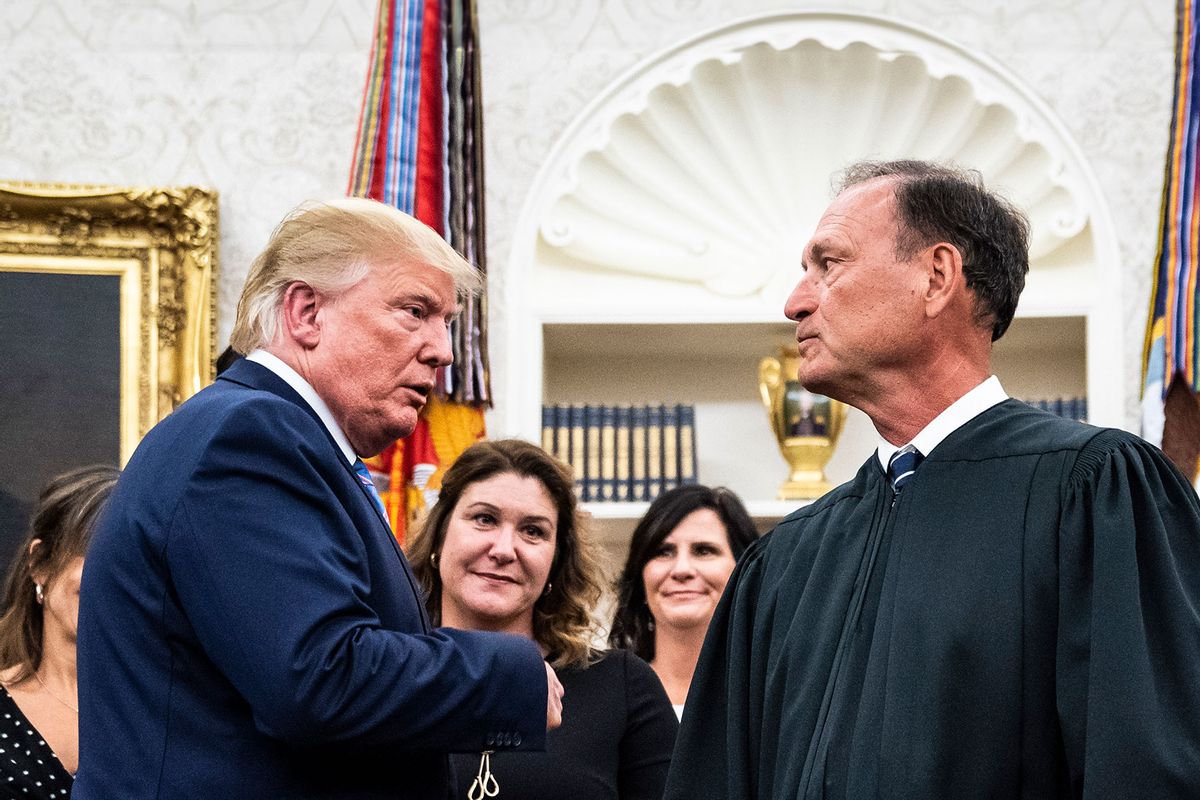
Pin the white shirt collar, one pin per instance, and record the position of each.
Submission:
(306, 391)
(959, 413)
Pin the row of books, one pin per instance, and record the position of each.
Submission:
(623, 453)
(1070, 407)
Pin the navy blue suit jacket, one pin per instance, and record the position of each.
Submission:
(248, 627)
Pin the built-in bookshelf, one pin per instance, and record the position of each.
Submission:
(623, 453)
(713, 368)
(656, 249)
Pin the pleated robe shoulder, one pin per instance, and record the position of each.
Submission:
(1019, 622)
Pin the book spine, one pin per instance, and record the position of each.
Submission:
(653, 451)
(579, 452)
(621, 493)
(637, 453)
(687, 444)
(548, 430)
(608, 453)
(562, 436)
(670, 456)
(591, 424)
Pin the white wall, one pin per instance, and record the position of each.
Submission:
(259, 98)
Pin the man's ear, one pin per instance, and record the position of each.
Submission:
(299, 314)
(943, 263)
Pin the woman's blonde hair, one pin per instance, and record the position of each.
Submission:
(331, 246)
(562, 617)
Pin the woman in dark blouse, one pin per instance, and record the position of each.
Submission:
(39, 707)
(680, 556)
(502, 551)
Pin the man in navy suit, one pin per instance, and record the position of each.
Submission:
(248, 627)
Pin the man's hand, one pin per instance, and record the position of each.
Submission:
(554, 694)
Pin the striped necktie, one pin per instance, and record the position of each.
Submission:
(364, 477)
(902, 465)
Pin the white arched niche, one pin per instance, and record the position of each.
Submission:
(683, 194)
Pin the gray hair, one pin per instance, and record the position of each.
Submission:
(937, 203)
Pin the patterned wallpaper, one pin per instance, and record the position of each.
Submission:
(259, 98)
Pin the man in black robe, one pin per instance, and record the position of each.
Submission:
(1013, 611)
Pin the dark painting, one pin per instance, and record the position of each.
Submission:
(60, 357)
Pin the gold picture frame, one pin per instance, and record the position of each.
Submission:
(161, 243)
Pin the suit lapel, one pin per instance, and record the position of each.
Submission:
(391, 536)
(253, 375)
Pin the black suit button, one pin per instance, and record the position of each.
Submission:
(491, 740)
(516, 740)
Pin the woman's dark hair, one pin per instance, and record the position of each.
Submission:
(62, 525)
(633, 627)
(562, 618)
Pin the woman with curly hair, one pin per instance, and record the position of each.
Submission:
(502, 550)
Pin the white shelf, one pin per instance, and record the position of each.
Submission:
(759, 509)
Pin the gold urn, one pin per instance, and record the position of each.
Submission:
(806, 425)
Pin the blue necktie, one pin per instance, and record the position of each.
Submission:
(902, 466)
(364, 477)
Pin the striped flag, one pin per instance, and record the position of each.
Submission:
(420, 148)
(1170, 410)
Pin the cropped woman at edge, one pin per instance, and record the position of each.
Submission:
(680, 557)
(502, 550)
(39, 705)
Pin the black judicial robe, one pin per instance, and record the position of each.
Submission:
(1022, 622)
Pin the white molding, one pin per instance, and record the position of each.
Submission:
(633, 511)
(571, 265)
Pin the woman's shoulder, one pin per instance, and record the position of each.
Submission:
(617, 686)
(611, 667)
(8, 702)
(6, 698)
(599, 663)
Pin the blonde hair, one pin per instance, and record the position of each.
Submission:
(331, 246)
(563, 622)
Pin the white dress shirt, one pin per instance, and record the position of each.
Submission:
(306, 391)
(959, 413)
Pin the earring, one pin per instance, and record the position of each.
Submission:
(37, 591)
(546, 591)
(433, 560)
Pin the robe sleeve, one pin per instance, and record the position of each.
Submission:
(718, 749)
(1128, 656)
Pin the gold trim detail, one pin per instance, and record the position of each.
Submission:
(162, 242)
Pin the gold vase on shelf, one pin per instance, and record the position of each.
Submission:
(806, 425)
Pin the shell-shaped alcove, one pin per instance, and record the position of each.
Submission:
(710, 165)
